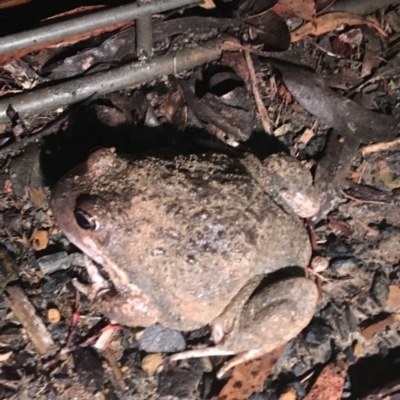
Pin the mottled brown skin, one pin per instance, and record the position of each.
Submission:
(180, 236)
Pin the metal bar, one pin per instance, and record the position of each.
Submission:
(101, 19)
(144, 37)
(63, 94)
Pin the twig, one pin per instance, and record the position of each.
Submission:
(22, 308)
(373, 148)
(266, 121)
(371, 231)
(365, 201)
(115, 369)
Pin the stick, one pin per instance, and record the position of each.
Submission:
(22, 308)
(266, 122)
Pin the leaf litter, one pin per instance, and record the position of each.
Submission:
(338, 109)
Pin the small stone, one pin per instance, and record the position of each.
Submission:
(77, 259)
(157, 339)
(181, 383)
(53, 315)
(89, 368)
(344, 266)
(319, 264)
(54, 262)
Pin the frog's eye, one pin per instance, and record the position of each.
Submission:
(90, 212)
(87, 221)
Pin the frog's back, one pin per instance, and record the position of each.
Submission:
(196, 229)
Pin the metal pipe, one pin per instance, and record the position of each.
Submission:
(77, 26)
(144, 36)
(66, 93)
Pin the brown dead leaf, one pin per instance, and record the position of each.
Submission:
(302, 8)
(249, 376)
(330, 22)
(370, 331)
(329, 384)
(39, 240)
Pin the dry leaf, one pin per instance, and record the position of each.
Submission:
(329, 384)
(393, 300)
(151, 363)
(39, 240)
(53, 315)
(249, 376)
(302, 8)
(329, 22)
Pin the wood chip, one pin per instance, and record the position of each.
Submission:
(53, 315)
(289, 394)
(306, 136)
(151, 363)
(370, 331)
(39, 240)
(207, 4)
(5, 356)
(373, 148)
(329, 384)
(249, 376)
(393, 300)
(22, 308)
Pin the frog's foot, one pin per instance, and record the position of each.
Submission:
(98, 285)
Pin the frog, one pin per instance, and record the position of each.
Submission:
(189, 240)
